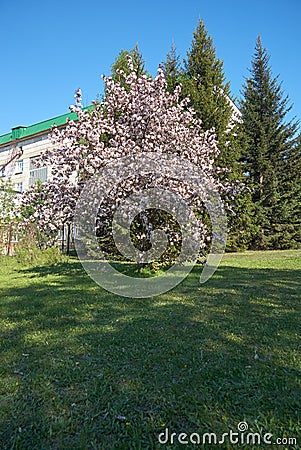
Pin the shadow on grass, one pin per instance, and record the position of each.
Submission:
(84, 369)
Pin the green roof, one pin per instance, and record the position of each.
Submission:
(21, 132)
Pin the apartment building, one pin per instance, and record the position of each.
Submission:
(20, 149)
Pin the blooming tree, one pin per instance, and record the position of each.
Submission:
(143, 117)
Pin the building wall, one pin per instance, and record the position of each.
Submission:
(34, 140)
(31, 147)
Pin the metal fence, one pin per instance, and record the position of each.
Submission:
(66, 238)
(11, 235)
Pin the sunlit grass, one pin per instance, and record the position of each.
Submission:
(84, 369)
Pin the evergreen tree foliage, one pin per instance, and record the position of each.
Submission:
(121, 63)
(269, 143)
(172, 69)
(289, 205)
(204, 81)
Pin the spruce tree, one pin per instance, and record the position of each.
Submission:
(268, 139)
(204, 81)
(121, 63)
(172, 68)
(289, 206)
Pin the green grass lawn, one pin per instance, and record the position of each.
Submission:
(84, 369)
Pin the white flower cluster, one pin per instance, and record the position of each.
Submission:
(143, 118)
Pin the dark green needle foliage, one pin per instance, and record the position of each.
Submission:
(270, 154)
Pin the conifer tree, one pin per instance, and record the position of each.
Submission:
(205, 83)
(289, 205)
(172, 68)
(269, 140)
(121, 63)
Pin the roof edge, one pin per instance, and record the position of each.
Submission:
(39, 127)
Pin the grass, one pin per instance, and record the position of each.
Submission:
(84, 369)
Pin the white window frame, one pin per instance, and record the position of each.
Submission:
(33, 172)
(19, 166)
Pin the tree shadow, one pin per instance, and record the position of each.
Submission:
(94, 370)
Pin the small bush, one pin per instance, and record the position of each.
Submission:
(29, 254)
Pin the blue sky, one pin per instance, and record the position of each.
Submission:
(49, 49)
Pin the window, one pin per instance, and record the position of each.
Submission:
(2, 173)
(19, 187)
(36, 173)
(19, 166)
